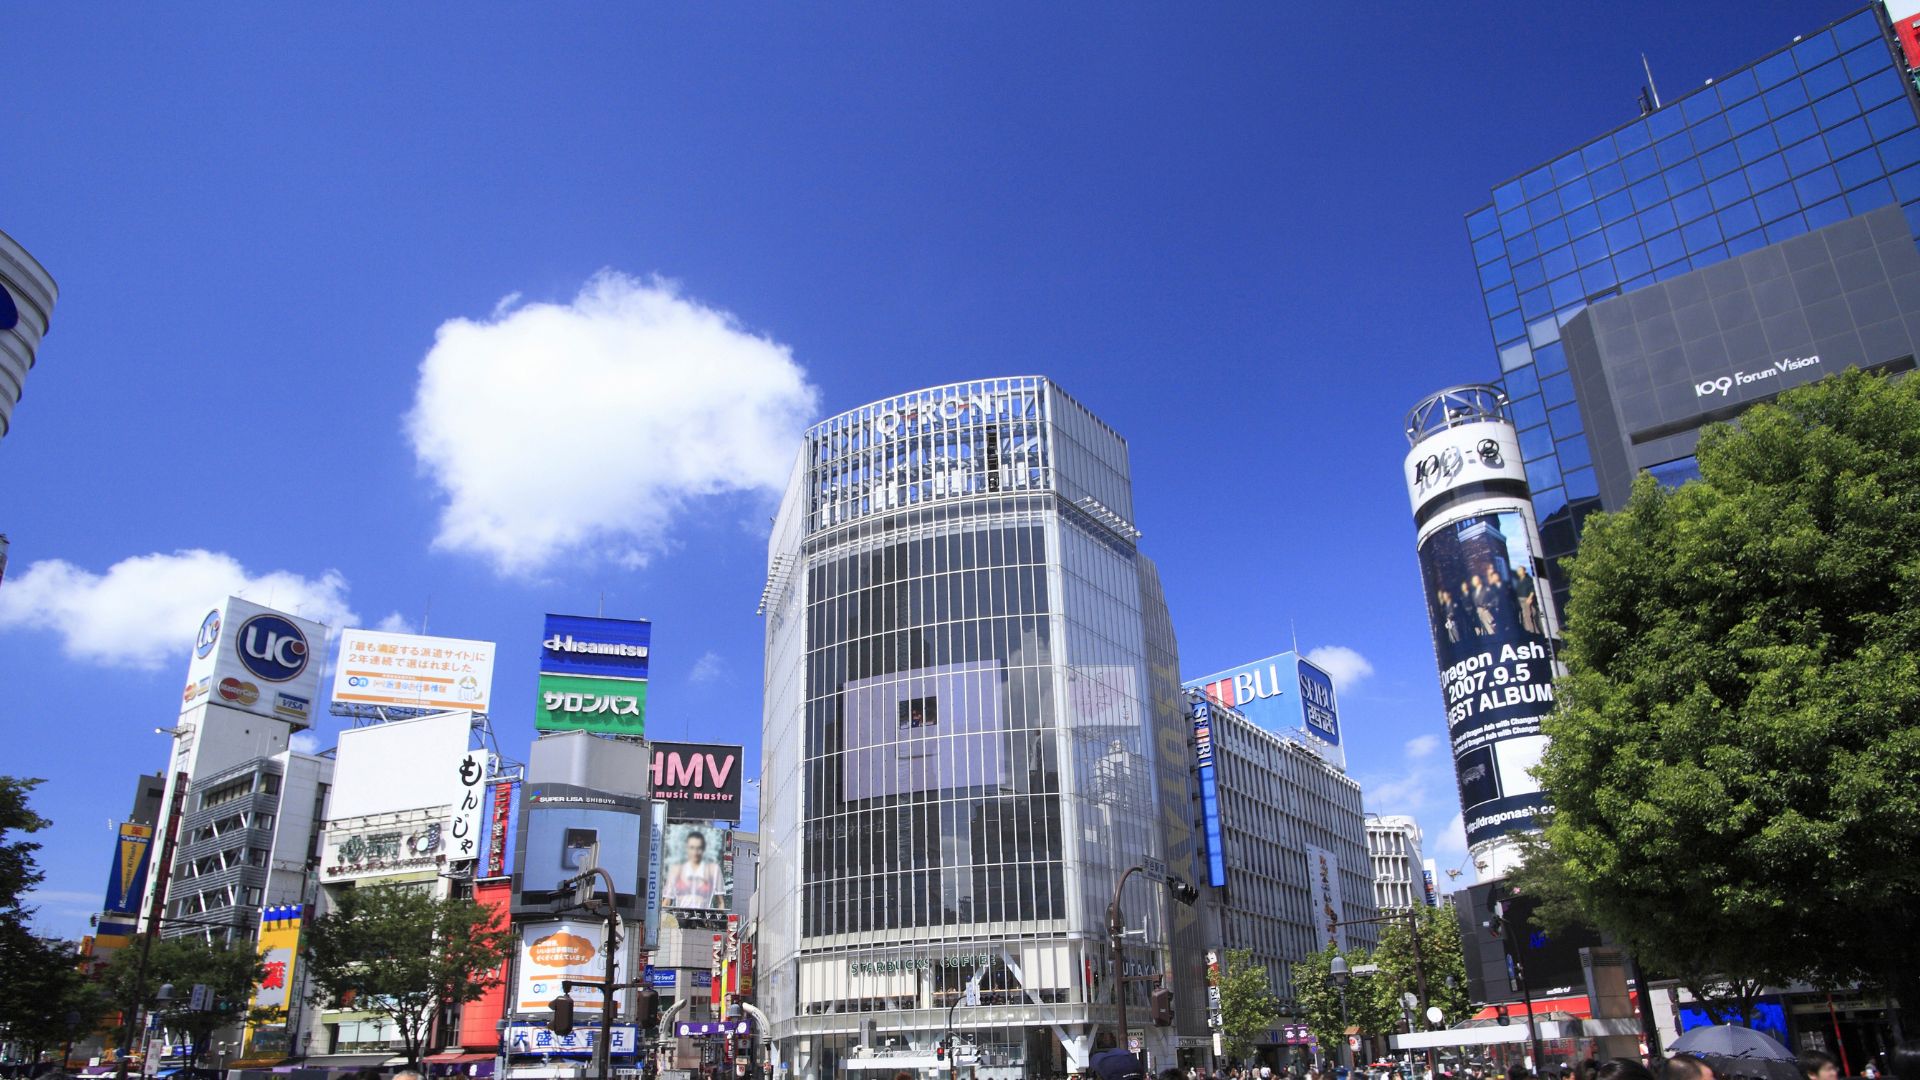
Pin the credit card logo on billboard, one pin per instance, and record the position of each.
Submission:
(292, 705)
(273, 648)
(240, 693)
(590, 645)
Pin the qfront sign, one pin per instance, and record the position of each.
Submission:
(1723, 386)
(256, 660)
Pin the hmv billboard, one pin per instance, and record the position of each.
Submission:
(698, 781)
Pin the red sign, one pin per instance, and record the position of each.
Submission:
(497, 830)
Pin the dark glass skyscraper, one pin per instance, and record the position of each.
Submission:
(1821, 131)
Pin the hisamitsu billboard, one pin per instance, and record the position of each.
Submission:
(594, 646)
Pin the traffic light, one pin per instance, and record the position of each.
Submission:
(940, 1051)
(1500, 1014)
(646, 1008)
(562, 1022)
(1182, 890)
(1160, 1005)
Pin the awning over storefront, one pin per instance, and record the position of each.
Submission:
(460, 1064)
(352, 1061)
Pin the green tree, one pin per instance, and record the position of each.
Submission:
(229, 970)
(1735, 760)
(46, 1001)
(1440, 955)
(397, 952)
(1320, 1003)
(1247, 1004)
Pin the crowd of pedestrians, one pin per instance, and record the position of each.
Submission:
(1903, 1064)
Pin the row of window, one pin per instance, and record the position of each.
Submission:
(1809, 55)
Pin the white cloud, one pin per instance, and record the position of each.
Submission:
(588, 427)
(144, 611)
(1346, 665)
(394, 623)
(1421, 746)
(708, 668)
(304, 742)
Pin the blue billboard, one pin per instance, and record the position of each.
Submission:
(127, 880)
(596, 646)
(1280, 693)
(1209, 793)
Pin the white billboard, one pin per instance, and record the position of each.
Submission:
(408, 671)
(928, 729)
(257, 660)
(1327, 900)
(413, 764)
(550, 952)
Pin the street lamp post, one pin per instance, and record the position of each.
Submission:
(1182, 892)
(1412, 918)
(1338, 977)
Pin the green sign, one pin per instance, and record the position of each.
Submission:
(588, 703)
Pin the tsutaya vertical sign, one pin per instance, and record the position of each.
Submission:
(593, 675)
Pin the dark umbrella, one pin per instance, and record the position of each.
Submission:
(1735, 1051)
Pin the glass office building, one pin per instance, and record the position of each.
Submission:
(1823, 130)
(972, 727)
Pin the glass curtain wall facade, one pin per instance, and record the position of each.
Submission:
(961, 736)
(1824, 129)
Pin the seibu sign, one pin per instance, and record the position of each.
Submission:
(698, 781)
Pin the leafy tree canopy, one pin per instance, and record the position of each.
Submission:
(229, 970)
(1735, 762)
(1247, 1005)
(396, 951)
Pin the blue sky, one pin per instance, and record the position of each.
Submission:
(417, 314)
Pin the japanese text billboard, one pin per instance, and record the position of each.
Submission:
(273, 993)
(587, 703)
(1327, 900)
(408, 671)
(1492, 622)
(550, 952)
(127, 880)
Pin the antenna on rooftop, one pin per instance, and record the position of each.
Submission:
(1653, 91)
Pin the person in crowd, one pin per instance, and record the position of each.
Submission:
(1519, 1072)
(1483, 607)
(1526, 595)
(1686, 1067)
(1622, 1068)
(1819, 1065)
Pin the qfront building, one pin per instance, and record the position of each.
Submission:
(973, 728)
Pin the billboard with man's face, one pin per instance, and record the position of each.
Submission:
(696, 867)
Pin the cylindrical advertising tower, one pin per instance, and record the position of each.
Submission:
(1490, 609)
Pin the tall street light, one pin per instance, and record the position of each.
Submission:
(1116, 931)
(1337, 978)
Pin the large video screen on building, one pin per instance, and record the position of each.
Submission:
(696, 867)
(564, 829)
(1492, 623)
(928, 729)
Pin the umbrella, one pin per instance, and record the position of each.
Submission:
(1735, 1051)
